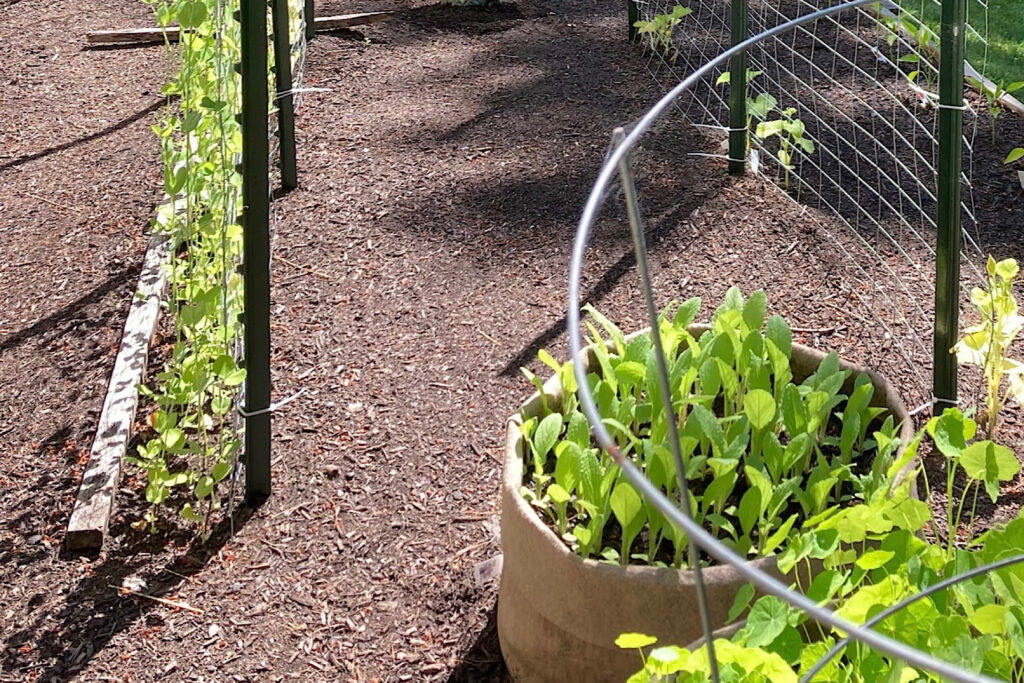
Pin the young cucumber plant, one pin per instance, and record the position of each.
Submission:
(761, 452)
(993, 93)
(758, 108)
(986, 343)
(790, 131)
(659, 30)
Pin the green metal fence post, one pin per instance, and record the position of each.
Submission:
(256, 249)
(947, 265)
(633, 16)
(738, 90)
(285, 101)
(310, 13)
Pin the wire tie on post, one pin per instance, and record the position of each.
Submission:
(928, 404)
(272, 407)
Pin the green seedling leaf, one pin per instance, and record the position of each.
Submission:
(755, 309)
(634, 641)
(742, 601)
(204, 487)
(173, 439)
(991, 463)
(686, 313)
(191, 14)
(630, 373)
(795, 414)
(759, 407)
(578, 431)
(1016, 155)
(558, 495)
(567, 465)
(768, 618)
(989, 619)
(778, 536)
(749, 510)
(546, 435)
(873, 559)
(951, 431)
(220, 471)
(629, 511)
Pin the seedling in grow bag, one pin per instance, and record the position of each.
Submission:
(762, 453)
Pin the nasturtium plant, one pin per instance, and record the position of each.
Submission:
(871, 563)
(763, 453)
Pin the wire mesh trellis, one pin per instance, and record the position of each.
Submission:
(618, 166)
(863, 86)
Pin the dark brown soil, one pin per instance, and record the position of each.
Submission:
(419, 265)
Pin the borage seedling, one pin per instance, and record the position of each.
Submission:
(761, 452)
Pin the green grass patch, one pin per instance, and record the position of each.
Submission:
(1002, 60)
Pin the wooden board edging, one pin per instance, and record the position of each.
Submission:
(90, 518)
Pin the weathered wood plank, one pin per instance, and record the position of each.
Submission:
(348, 20)
(141, 36)
(91, 516)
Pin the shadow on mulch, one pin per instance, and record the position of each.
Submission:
(656, 234)
(70, 315)
(123, 123)
(483, 661)
(96, 609)
(474, 20)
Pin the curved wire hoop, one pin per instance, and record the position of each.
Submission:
(618, 161)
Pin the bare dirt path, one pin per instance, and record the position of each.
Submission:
(79, 173)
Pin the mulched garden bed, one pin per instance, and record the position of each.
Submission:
(421, 262)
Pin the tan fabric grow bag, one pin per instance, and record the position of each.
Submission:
(559, 615)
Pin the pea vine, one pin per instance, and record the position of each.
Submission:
(196, 437)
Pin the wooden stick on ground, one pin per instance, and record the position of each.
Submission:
(142, 36)
(91, 515)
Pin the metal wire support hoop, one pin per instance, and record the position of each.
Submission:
(639, 244)
(695, 532)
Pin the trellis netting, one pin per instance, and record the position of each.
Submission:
(849, 103)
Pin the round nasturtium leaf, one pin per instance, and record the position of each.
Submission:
(874, 559)
(633, 641)
(768, 618)
(978, 458)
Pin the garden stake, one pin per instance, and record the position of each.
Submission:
(632, 16)
(285, 99)
(310, 13)
(256, 252)
(950, 219)
(640, 246)
(738, 131)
